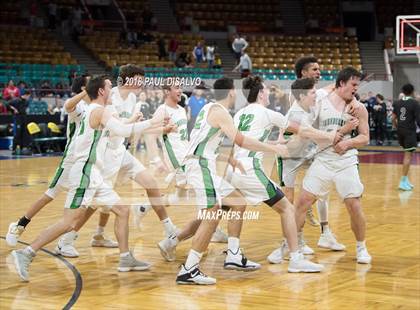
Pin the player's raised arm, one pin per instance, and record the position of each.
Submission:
(78, 87)
(221, 119)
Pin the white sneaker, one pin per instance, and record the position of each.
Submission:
(363, 256)
(238, 261)
(13, 234)
(277, 256)
(22, 260)
(327, 240)
(139, 211)
(65, 246)
(219, 236)
(311, 218)
(130, 263)
(304, 248)
(193, 276)
(300, 264)
(101, 241)
(167, 249)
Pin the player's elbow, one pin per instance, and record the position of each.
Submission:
(239, 139)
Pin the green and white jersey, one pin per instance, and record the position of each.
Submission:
(124, 109)
(73, 123)
(86, 142)
(256, 121)
(330, 119)
(205, 140)
(175, 144)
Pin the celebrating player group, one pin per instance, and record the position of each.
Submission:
(322, 129)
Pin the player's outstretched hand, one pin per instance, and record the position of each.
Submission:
(281, 149)
(171, 127)
(136, 117)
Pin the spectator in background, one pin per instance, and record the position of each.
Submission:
(22, 87)
(52, 109)
(20, 104)
(33, 13)
(379, 117)
(3, 108)
(52, 15)
(11, 91)
(147, 16)
(162, 48)
(239, 45)
(21, 139)
(132, 38)
(388, 131)
(183, 60)
(59, 90)
(144, 106)
(279, 100)
(210, 50)
(217, 61)
(46, 89)
(194, 106)
(245, 65)
(198, 53)
(172, 48)
(312, 24)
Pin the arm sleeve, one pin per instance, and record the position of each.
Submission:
(118, 128)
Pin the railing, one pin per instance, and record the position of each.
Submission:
(388, 66)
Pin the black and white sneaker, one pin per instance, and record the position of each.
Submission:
(193, 276)
(238, 261)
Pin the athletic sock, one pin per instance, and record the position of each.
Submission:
(294, 255)
(325, 228)
(28, 250)
(361, 244)
(233, 245)
(100, 230)
(168, 226)
(125, 254)
(193, 259)
(23, 221)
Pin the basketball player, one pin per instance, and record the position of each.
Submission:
(75, 107)
(175, 146)
(305, 67)
(120, 165)
(303, 111)
(338, 164)
(213, 192)
(86, 186)
(406, 113)
(256, 120)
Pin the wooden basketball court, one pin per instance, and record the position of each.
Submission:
(92, 281)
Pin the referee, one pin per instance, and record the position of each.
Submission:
(406, 112)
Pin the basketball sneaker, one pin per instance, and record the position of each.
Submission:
(101, 241)
(14, 233)
(298, 263)
(327, 240)
(193, 276)
(65, 246)
(277, 256)
(219, 236)
(129, 263)
(167, 248)
(310, 217)
(363, 256)
(139, 212)
(238, 261)
(404, 186)
(22, 259)
(303, 247)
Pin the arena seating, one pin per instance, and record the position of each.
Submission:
(21, 44)
(107, 48)
(387, 11)
(278, 52)
(246, 15)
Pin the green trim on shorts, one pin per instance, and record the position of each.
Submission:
(266, 182)
(171, 153)
(410, 149)
(87, 169)
(280, 171)
(59, 171)
(208, 183)
(199, 150)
